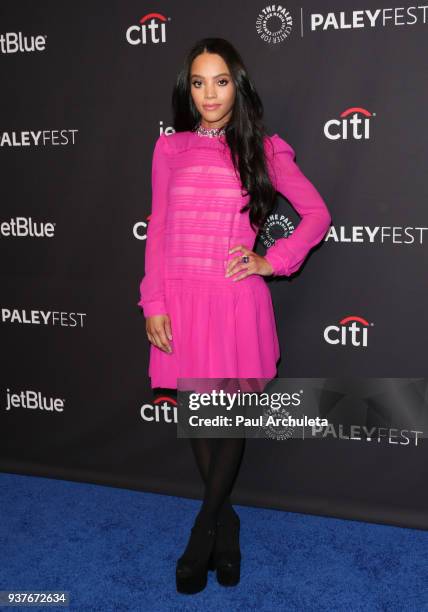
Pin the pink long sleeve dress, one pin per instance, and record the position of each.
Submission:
(220, 328)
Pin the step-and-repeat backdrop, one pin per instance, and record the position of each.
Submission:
(86, 90)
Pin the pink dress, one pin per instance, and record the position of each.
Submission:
(220, 328)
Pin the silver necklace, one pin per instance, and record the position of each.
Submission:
(211, 132)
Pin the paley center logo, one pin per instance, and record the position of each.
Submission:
(351, 330)
(277, 226)
(274, 23)
(353, 123)
(272, 428)
(163, 409)
(151, 28)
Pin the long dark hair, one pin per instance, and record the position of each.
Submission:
(245, 131)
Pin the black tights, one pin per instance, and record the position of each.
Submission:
(218, 460)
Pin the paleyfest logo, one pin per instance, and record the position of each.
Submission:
(274, 23)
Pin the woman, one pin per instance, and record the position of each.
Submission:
(208, 310)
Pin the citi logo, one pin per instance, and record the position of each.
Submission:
(353, 123)
(163, 410)
(33, 400)
(351, 330)
(140, 229)
(151, 29)
(25, 227)
(17, 42)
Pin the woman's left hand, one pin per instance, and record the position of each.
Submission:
(257, 264)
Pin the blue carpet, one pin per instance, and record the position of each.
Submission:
(115, 549)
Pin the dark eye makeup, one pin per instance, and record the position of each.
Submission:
(226, 81)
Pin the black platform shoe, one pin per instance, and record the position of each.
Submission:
(192, 568)
(227, 553)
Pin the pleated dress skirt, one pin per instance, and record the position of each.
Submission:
(220, 329)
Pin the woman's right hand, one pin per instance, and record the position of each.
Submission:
(158, 328)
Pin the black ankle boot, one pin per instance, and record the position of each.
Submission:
(227, 553)
(192, 567)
